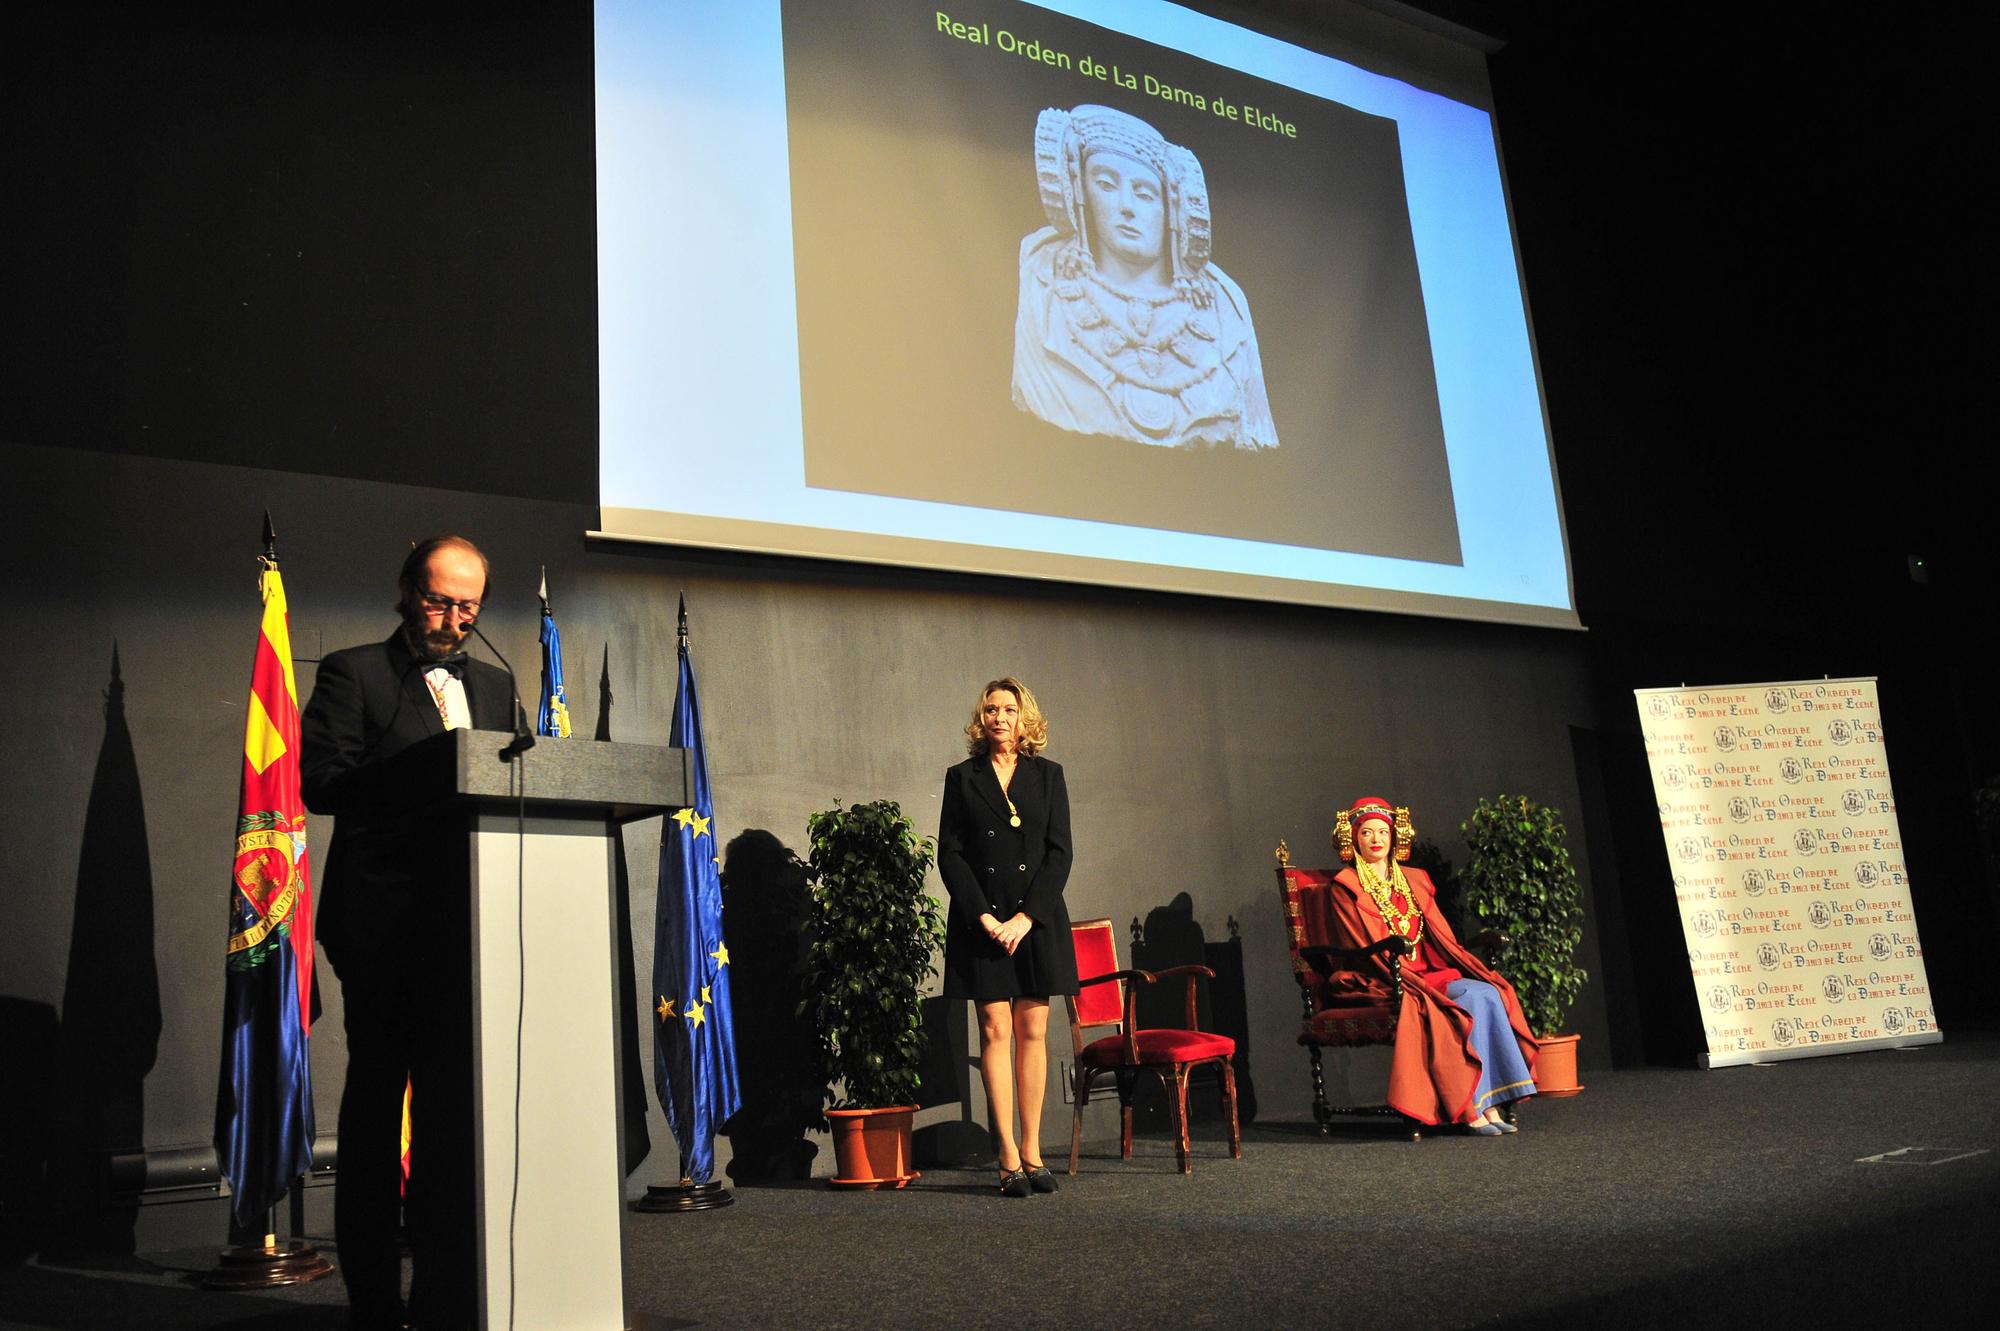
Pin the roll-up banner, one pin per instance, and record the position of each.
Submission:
(1780, 824)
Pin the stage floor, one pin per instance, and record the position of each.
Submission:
(1754, 1195)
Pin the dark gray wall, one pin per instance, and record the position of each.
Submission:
(1196, 733)
(320, 262)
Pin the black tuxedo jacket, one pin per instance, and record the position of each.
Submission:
(989, 865)
(368, 705)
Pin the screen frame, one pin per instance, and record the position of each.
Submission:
(623, 523)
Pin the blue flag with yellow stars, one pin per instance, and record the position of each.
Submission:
(694, 1043)
(554, 717)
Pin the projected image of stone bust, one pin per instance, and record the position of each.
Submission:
(1125, 328)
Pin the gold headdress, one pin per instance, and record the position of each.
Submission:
(1365, 808)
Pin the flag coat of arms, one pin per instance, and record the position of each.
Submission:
(264, 1106)
(694, 1044)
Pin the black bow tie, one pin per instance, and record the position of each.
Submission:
(455, 664)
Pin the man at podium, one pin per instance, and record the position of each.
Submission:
(392, 919)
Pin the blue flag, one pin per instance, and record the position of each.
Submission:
(694, 1042)
(554, 717)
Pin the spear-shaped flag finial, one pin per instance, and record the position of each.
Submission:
(270, 538)
(543, 592)
(683, 630)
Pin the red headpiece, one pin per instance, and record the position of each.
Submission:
(1368, 807)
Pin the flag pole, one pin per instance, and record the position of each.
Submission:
(687, 1195)
(269, 1264)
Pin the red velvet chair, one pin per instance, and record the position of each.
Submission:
(1108, 998)
(1352, 996)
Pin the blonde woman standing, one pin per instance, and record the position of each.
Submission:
(1004, 852)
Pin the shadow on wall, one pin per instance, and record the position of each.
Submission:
(763, 922)
(634, 1050)
(110, 1031)
(950, 1063)
(1427, 855)
(1171, 937)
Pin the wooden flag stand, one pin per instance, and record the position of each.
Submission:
(294, 1262)
(667, 1199)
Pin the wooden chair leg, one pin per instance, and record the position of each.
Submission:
(1076, 1122)
(1124, 1117)
(1229, 1094)
(1322, 1111)
(1180, 1117)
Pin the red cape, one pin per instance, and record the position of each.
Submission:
(1433, 1073)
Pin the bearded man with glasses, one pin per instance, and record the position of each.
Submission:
(394, 921)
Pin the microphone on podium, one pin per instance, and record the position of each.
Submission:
(524, 739)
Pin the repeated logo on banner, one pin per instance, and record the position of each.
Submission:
(1780, 824)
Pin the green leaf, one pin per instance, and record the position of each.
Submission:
(874, 933)
(1520, 879)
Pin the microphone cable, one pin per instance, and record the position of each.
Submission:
(515, 756)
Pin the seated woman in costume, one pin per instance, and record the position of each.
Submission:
(1463, 1049)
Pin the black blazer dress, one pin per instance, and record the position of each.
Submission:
(990, 866)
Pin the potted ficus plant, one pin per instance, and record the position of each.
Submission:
(874, 936)
(1519, 881)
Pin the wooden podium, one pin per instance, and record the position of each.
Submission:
(540, 840)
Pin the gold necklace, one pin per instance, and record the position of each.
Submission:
(1014, 818)
(1384, 894)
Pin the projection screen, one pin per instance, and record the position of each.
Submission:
(1092, 291)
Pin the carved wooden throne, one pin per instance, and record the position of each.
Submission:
(1351, 995)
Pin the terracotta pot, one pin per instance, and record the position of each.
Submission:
(1555, 1066)
(871, 1147)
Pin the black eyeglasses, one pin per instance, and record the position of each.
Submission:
(441, 606)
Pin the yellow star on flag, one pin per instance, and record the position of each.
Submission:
(721, 954)
(700, 825)
(666, 1008)
(704, 994)
(695, 1013)
(684, 817)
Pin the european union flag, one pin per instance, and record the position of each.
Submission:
(694, 1044)
(554, 717)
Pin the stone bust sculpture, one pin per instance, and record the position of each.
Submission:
(1124, 326)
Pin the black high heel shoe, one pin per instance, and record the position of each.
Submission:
(1014, 1183)
(1039, 1177)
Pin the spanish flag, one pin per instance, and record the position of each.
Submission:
(264, 1107)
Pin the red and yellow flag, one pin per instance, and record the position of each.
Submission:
(264, 1109)
(272, 872)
